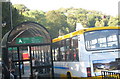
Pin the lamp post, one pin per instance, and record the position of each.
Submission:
(11, 15)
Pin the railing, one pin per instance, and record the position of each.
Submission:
(110, 75)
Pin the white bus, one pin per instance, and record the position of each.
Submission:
(87, 52)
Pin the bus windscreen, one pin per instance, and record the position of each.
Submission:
(102, 39)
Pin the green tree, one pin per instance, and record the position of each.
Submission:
(56, 21)
(113, 21)
(21, 8)
(91, 20)
(97, 23)
(36, 16)
(6, 17)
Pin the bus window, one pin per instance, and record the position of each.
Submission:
(76, 57)
(119, 39)
(55, 54)
(69, 55)
(74, 47)
(101, 39)
(112, 41)
(67, 50)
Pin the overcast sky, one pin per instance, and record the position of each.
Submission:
(109, 7)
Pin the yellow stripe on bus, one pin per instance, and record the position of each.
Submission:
(81, 32)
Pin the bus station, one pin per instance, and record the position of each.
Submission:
(26, 52)
(29, 52)
(60, 39)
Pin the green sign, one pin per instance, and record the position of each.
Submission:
(29, 40)
(10, 48)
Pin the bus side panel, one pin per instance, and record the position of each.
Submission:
(76, 69)
(83, 56)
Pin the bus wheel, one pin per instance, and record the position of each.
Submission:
(69, 75)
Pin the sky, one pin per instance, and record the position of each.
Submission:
(109, 7)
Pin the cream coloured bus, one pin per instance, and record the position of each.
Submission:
(87, 52)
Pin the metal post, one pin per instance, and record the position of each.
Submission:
(19, 61)
(31, 69)
(52, 61)
(11, 15)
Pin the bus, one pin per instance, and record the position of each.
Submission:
(87, 52)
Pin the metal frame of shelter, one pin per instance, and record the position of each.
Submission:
(27, 52)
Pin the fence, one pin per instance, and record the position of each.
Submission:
(110, 75)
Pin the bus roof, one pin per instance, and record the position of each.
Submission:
(75, 33)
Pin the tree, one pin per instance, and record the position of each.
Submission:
(6, 17)
(56, 21)
(35, 15)
(91, 20)
(113, 21)
(21, 8)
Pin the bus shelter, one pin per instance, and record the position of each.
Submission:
(26, 52)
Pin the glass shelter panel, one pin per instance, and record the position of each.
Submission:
(41, 56)
(17, 63)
